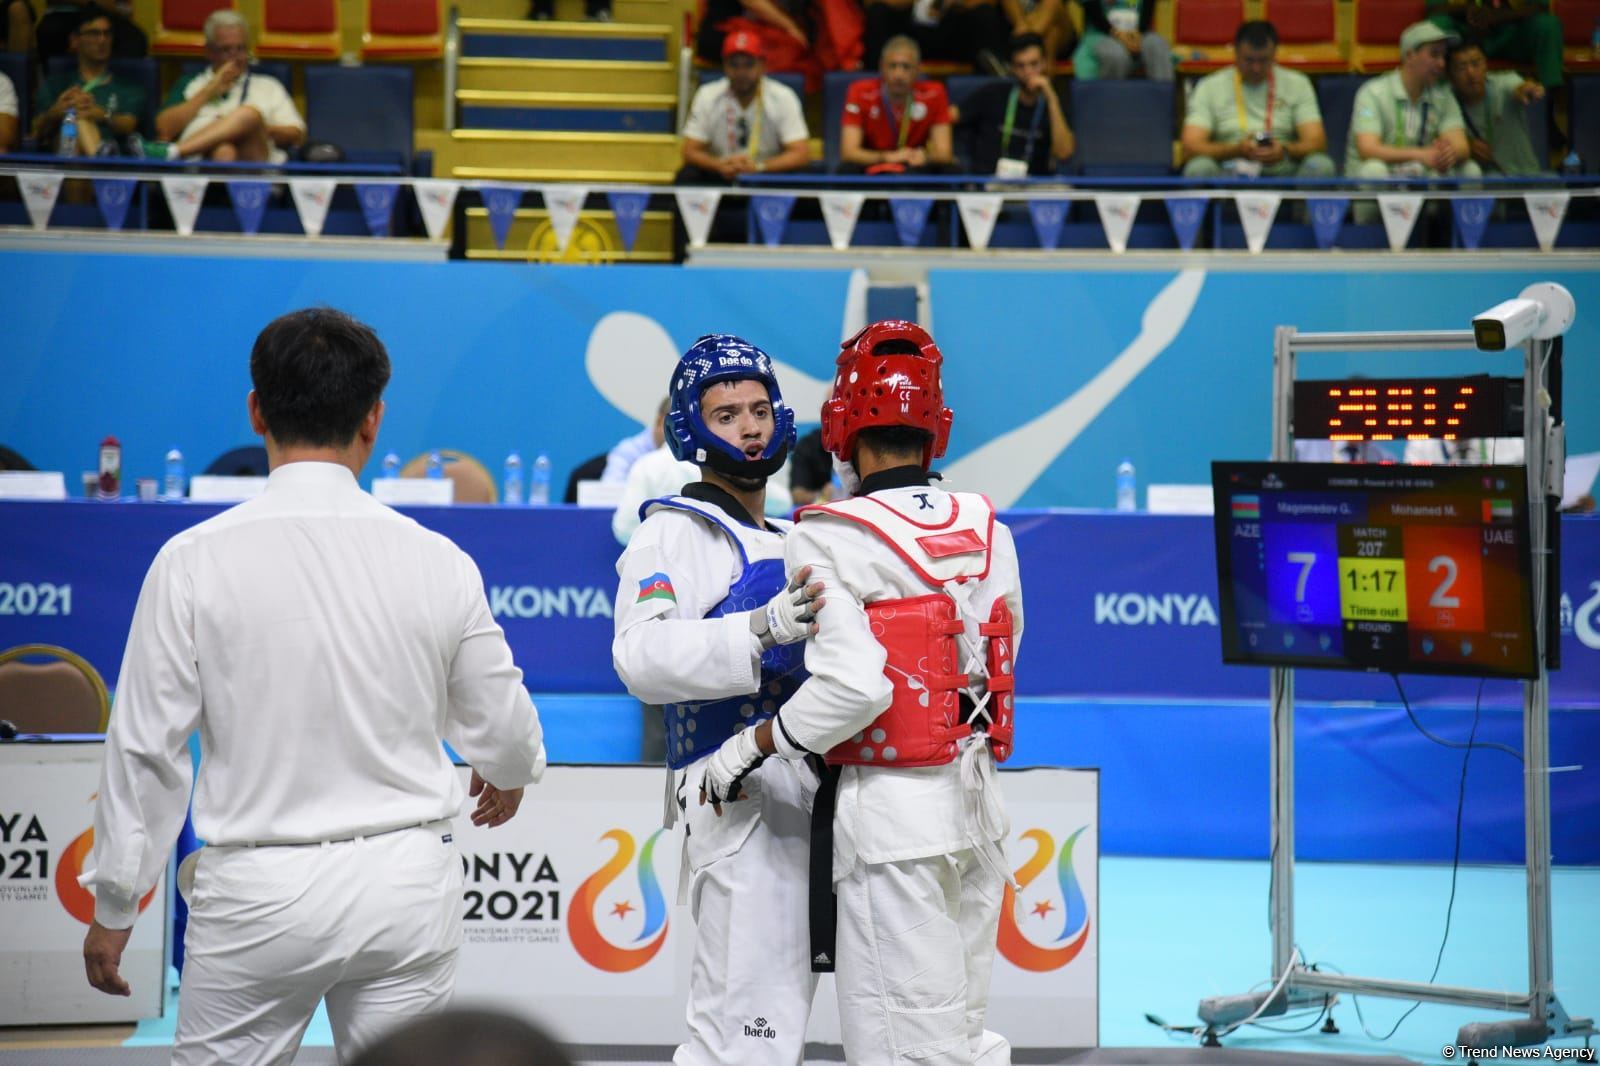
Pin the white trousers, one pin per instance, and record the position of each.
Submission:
(373, 925)
(750, 984)
(916, 947)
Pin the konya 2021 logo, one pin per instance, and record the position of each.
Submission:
(585, 920)
(1041, 940)
(75, 899)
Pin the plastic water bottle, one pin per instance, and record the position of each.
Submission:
(1572, 166)
(511, 490)
(539, 484)
(1127, 487)
(435, 464)
(391, 465)
(172, 483)
(67, 143)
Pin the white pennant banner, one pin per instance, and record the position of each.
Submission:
(312, 196)
(979, 212)
(40, 192)
(840, 211)
(1116, 217)
(1257, 211)
(1546, 211)
(698, 207)
(563, 203)
(183, 195)
(435, 198)
(1399, 211)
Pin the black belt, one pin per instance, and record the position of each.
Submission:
(824, 906)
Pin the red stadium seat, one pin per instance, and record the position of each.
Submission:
(1578, 20)
(300, 29)
(1378, 27)
(180, 26)
(402, 29)
(1202, 33)
(1308, 35)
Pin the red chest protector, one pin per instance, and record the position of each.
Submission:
(940, 691)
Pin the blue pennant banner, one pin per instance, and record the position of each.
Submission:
(377, 206)
(1186, 213)
(249, 203)
(628, 207)
(1048, 218)
(1327, 218)
(1472, 218)
(113, 195)
(910, 218)
(501, 201)
(772, 216)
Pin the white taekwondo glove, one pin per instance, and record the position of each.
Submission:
(787, 617)
(728, 766)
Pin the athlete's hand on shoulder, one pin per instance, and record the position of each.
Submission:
(102, 955)
(727, 767)
(496, 806)
(791, 615)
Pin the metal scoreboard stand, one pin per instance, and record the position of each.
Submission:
(1294, 983)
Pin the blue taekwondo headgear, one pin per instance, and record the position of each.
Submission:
(723, 357)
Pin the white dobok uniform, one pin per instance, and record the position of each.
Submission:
(919, 869)
(681, 641)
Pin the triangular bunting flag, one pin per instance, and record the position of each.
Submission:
(1048, 218)
(1472, 218)
(840, 211)
(628, 207)
(563, 203)
(501, 202)
(698, 206)
(1399, 211)
(377, 205)
(40, 192)
(1116, 217)
(1545, 211)
(910, 218)
(435, 199)
(979, 212)
(772, 216)
(1327, 218)
(113, 195)
(1186, 213)
(1257, 210)
(184, 194)
(249, 200)
(312, 196)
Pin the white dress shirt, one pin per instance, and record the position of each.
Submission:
(323, 645)
(626, 452)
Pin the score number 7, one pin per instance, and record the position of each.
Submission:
(1305, 560)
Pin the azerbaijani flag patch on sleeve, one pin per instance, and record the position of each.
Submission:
(657, 586)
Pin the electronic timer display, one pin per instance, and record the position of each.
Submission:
(1409, 569)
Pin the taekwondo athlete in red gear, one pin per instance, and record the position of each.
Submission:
(910, 698)
(708, 627)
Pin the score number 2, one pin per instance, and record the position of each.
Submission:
(1441, 597)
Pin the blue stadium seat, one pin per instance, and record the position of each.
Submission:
(366, 111)
(1336, 98)
(17, 67)
(1584, 120)
(961, 86)
(1123, 128)
(835, 87)
(144, 72)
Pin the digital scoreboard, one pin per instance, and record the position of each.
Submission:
(1406, 569)
(1408, 409)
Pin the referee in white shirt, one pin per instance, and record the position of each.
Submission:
(323, 645)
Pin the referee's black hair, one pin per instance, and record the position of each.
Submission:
(317, 373)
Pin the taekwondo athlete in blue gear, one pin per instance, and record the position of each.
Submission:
(708, 628)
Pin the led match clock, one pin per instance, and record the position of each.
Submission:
(1408, 409)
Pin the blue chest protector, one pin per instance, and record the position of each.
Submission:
(697, 729)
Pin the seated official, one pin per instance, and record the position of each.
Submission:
(1255, 117)
(1494, 107)
(1017, 129)
(896, 123)
(107, 107)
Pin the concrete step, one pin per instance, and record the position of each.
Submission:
(594, 239)
(566, 75)
(523, 39)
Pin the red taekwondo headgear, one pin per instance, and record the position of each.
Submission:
(888, 375)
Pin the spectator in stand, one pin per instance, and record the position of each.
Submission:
(1015, 129)
(1406, 123)
(896, 123)
(53, 34)
(797, 36)
(16, 26)
(1521, 31)
(744, 123)
(228, 112)
(1118, 39)
(1494, 108)
(1049, 19)
(8, 114)
(1255, 117)
(965, 31)
(629, 450)
(108, 107)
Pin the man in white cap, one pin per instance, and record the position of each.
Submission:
(1406, 123)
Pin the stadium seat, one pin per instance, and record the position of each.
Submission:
(144, 72)
(1308, 35)
(300, 29)
(1202, 33)
(181, 24)
(402, 29)
(1578, 20)
(16, 66)
(1124, 128)
(249, 460)
(63, 695)
(366, 111)
(1336, 98)
(1584, 120)
(1377, 32)
(835, 86)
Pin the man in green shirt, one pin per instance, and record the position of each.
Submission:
(1255, 117)
(108, 107)
(1406, 123)
(1522, 31)
(1494, 107)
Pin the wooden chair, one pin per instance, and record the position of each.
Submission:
(474, 483)
(62, 695)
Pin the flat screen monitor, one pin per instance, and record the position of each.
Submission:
(1398, 569)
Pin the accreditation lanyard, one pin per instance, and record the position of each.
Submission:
(754, 143)
(1238, 98)
(1486, 135)
(905, 115)
(1011, 120)
(1400, 123)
